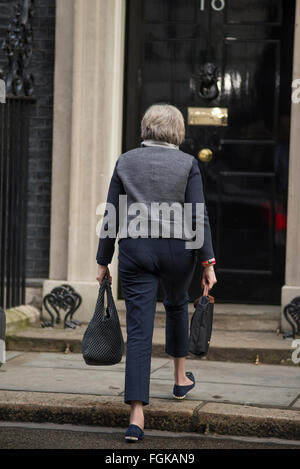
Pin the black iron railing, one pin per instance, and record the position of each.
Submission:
(14, 121)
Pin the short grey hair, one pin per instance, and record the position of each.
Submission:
(163, 122)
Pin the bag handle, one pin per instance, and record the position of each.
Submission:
(205, 290)
(206, 293)
(105, 286)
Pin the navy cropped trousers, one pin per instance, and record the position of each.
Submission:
(143, 262)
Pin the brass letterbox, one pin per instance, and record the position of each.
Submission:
(208, 116)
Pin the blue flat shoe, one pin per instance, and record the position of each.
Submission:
(179, 392)
(134, 433)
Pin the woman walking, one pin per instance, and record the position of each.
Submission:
(157, 172)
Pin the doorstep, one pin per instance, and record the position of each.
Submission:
(241, 333)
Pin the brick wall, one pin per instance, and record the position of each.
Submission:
(40, 133)
(6, 10)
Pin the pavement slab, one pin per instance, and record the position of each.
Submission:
(237, 373)
(267, 385)
(296, 404)
(228, 392)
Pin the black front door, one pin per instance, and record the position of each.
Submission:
(227, 65)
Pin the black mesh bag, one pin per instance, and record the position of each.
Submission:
(103, 343)
(201, 325)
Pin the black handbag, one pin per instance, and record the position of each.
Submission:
(103, 342)
(201, 325)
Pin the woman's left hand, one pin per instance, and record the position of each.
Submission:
(208, 277)
(103, 271)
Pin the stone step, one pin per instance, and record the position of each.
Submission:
(225, 322)
(226, 345)
(241, 333)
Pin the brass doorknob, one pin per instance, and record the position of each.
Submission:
(205, 155)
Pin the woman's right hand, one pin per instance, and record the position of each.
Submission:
(208, 279)
(103, 271)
